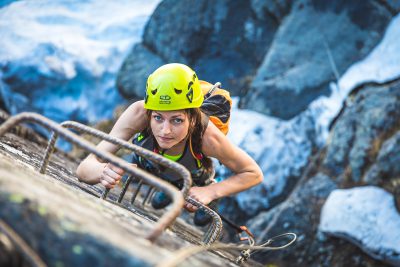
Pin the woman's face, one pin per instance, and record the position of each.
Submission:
(169, 127)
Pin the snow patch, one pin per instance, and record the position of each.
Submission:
(381, 65)
(366, 216)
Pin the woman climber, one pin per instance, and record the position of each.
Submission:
(170, 122)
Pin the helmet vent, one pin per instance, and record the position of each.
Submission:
(177, 91)
(153, 92)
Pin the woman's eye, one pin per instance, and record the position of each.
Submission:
(177, 120)
(157, 117)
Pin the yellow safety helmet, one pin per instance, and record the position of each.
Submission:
(173, 87)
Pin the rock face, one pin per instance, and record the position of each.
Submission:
(364, 142)
(298, 214)
(66, 223)
(282, 150)
(221, 40)
(385, 167)
(277, 55)
(314, 45)
(362, 150)
(135, 68)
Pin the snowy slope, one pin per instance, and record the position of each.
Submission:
(60, 58)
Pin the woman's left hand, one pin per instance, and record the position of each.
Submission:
(202, 194)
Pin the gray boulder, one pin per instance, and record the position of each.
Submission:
(314, 45)
(221, 40)
(298, 214)
(394, 5)
(362, 147)
(131, 80)
(386, 165)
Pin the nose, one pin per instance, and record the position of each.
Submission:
(166, 128)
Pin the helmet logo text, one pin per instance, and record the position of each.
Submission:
(165, 99)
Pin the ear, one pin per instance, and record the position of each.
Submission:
(192, 122)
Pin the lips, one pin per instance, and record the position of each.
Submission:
(165, 139)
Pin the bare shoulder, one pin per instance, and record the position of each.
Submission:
(215, 143)
(136, 109)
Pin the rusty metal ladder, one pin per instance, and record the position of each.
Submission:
(215, 229)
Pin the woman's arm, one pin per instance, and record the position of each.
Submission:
(246, 171)
(91, 170)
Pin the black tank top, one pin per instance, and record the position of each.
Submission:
(200, 175)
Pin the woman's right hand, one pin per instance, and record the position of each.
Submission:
(111, 175)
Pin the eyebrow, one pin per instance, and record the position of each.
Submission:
(172, 117)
